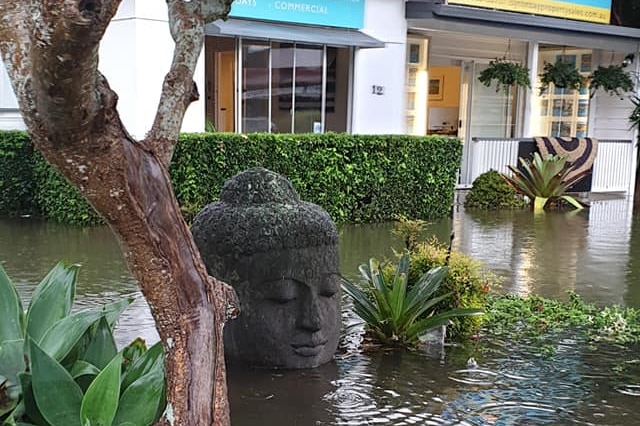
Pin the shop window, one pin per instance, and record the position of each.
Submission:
(285, 87)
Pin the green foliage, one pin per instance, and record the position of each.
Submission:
(506, 74)
(491, 192)
(563, 75)
(514, 317)
(544, 180)
(612, 79)
(17, 183)
(356, 178)
(410, 230)
(468, 282)
(398, 314)
(58, 199)
(62, 368)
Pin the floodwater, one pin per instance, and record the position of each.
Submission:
(595, 253)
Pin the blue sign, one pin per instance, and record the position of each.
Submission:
(332, 13)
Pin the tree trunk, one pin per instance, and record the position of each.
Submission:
(50, 50)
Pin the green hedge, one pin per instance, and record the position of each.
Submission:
(356, 178)
(17, 184)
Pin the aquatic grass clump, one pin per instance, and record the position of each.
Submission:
(513, 317)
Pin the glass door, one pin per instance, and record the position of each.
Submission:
(491, 113)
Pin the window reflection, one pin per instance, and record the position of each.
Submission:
(255, 86)
(281, 86)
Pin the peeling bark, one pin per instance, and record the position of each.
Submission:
(50, 49)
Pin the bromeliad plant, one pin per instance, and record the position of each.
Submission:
(395, 313)
(545, 181)
(59, 368)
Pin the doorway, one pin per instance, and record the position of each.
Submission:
(220, 84)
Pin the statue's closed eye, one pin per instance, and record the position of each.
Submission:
(280, 291)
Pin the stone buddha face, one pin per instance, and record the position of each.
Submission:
(280, 255)
(290, 309)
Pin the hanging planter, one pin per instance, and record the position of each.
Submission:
(563, 75)
(506, 74)
(612, 79)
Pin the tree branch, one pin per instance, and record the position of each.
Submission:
(57, 66)
(186, 23)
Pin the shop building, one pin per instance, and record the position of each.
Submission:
(375, 66)
(459, 39)
(274, 66)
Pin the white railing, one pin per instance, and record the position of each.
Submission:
(613, 167)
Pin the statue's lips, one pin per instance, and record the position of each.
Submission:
(308, 349)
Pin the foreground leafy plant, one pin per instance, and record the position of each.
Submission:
(396, 314)
(60, 368)
(544, 180)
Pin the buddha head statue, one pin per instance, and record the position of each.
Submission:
(280, 255)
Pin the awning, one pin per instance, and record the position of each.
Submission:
(440, 17)
(288, 32)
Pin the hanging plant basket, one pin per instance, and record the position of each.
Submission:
(506, 74)
(612, 79)
(563, 75)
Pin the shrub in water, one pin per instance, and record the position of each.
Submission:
(397, 313)
(491, 192)
(468, 282)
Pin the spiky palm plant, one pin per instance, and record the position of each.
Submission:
(395, 313)
(544, 180)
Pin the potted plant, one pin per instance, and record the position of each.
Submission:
(562, 74)
(505, 73)
(613, 79)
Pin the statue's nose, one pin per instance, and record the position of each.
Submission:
(310, 316)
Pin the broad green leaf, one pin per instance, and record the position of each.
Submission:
(52, 300)
(11, 312)
(12, 360)
(65, 333)
(100, 402)
(139, 402)
(29, 406)
(83, 368)
(150, 361)
(102, 347)
(57, 395)
(113, 310)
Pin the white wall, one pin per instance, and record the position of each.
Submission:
(609, 115)
(10, 118)
(375, 114)
(135, 55)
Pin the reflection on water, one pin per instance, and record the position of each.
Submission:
(596, 253)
